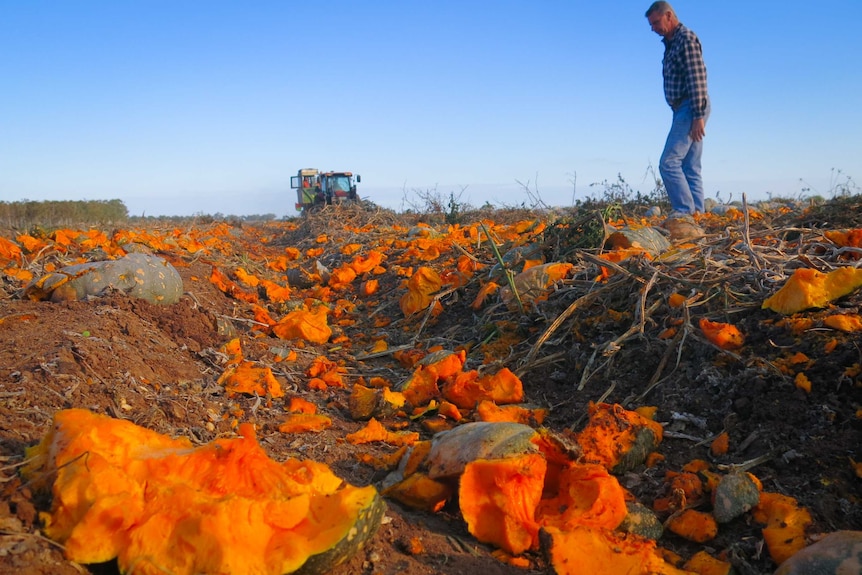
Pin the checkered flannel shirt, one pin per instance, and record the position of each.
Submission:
(684, 71)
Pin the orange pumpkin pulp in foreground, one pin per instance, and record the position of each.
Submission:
(584, 550)
(160, 505)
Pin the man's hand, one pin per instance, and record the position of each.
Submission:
(698, 129)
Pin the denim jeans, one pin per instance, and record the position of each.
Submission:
(680, 163)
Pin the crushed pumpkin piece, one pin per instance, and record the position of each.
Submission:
(159, 505)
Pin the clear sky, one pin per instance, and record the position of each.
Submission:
(183, 107)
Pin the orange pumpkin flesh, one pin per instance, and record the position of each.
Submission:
(468, 388)
(809, 288)
(530, 481)
(584, 550)
(421, 492)
(304, 422)
(585, 495)
(519, 489)
(617, 438)
(309, 325)
(844, 322)
(367, 402)
(694, 525)
(703, 563)
(160, 505)
(498, 499)
(723, 335)
(785, 522)
(489, 411)
(421, 388)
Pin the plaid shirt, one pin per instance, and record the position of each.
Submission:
(684, 71)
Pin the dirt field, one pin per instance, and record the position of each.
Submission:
(158, 365)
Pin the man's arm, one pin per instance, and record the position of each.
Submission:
(692, 57)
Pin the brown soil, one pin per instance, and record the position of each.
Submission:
(158, 365)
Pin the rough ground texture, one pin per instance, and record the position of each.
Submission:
(158, 366)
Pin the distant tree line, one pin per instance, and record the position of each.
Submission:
(70, 213)
(54, 213)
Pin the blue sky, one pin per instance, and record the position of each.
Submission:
(184, 107)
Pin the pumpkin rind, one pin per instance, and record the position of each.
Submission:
(139, 275)
(641, 521)
(735, 494)
(363, 529)
(837, 553)
(452, 450)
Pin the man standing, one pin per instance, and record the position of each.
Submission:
(685, 91)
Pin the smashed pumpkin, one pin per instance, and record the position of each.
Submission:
(489, 411)
(513, 480)
(724, 335)
(309, 325)
(848, 239)
(468, 388)
(583, 550)
(452, 450)
(534, 284)
(703, 563)
(844, 322)
(246, 378)
(421, 492)
(367, 402)
(693, 525)
(617, 438)
(785, 524)
(304, 422)
(582, 494)
(498, 499)
(374, 431)
(810, 288)
(420, 289)
(159, 505)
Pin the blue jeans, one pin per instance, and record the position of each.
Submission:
(680, 163)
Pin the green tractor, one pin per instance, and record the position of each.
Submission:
(315, 189)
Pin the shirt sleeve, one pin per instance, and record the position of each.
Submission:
(692, 57)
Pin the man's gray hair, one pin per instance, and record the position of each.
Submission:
(661, 7)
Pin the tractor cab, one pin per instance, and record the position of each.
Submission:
(317, 189)
(338, 186)
(307, 185)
